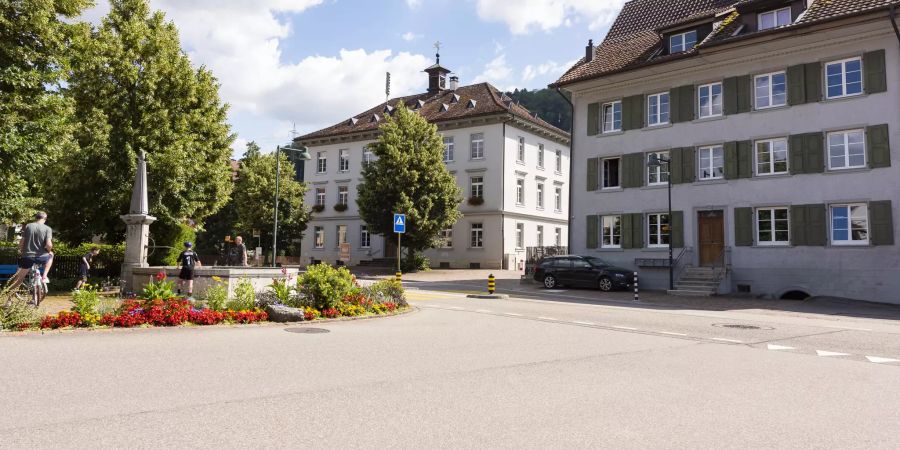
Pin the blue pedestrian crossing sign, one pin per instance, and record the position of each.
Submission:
(399, 223)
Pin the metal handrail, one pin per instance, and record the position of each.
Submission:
(721, 259)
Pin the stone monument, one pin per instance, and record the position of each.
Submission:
(138, 220)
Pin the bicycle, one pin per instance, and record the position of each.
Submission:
(32, 287)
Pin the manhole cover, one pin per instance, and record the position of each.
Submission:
(741, 326)
(307, 330)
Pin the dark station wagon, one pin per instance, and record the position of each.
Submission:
(581, 271)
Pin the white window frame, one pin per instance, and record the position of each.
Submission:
(771, 151)
(608, 121)
(845, 144)
(608, 231)
(770, 90)
(557, 236)
(319, 237)
(321, 196)
(540, 156)
(447, 238)
(520, 191)
(709, 152)
(367, 156)
(772, 228)
(344, 195)
(476, 146)
(520, 153)
(658, 234)
(714, 107)
(539, 192)
(476, 186)
(557, 199)
(843, 64)
(774, 13)
(604, 177)
(321, 162)
(365, 238)
(849, 241)
(520, 235)
(344, 160)
(540, 235)
(341, 231)
(476, 235)
(683, 47)
(559, 161)
(448, 149)
(654, 120)
(659, 171)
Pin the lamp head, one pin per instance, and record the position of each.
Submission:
(302, 151)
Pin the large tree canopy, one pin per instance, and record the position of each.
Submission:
(34, 117)
(135, 90)
(409, 177)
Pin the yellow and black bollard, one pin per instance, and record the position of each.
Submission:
(491, 284)
(399, 277)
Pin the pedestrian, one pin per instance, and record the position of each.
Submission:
(35, 247)
(239, 252)
(187, 260)
(84, 266)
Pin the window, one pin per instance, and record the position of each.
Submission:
(843, 78)
(321, 162)
(341, 234)
(610, 173)
(771, 156)
(520, 235)
(557, 199)
(520, 191)
(476, 187)
(710, 100)
(776, 18)
(368, 157)
(682, 42)
(658, 109)
(850, 224)
(658, 230)
(319, 234)
(612, 117)
(448, 149)
(540, 235)
(365, 239)
(658, 174)
(540, 195)
(447, 238)
(320, 196)
(520, 156)
(477, 146)
(772, 227)
(770, 90)
(343, 160)
(612, 232)
(343, 195)
(559, 161)
(846, 149)
(712, 162)
(557, 237)
(477, 235)
(540, 156)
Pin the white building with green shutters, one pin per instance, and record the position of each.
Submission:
(781, 123)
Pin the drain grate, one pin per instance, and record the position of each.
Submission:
(741, 326)
(307, 330)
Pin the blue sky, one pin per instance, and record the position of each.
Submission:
(316, 62)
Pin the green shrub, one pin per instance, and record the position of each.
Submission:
(388, 290)
(86, 300)
(17, 312)
(244, 296)
(324, 286)
(282, 291)
(418, 263)
(174, 236)
(159, 289)
(216, 296)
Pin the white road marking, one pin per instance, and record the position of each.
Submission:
(880, 360)
(625, 328)
(483, 310)
(427, 305)
(779, 347)
(734, 341)
(547, 318)
(584, 323)
(826, 353)
(671, 333)
(513, 314)
(455, 307)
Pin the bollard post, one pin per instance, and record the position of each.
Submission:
(491, 284)
(398, 277)
(636, 298)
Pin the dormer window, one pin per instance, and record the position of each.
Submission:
(774, 19)
(682, 42)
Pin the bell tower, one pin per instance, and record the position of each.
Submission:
(437, 74)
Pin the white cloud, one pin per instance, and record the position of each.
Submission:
(549, 68)
(497, 72)
(413, 3)
(545, 15)
(409, 36)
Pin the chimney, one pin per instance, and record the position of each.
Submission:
(454, 82)
(589, 51)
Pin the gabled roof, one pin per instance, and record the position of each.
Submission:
(446, 105)
(634, 38)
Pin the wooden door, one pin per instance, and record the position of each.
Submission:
(390, 246)
(711, 236)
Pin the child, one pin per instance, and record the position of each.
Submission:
(84, 266)
(187, 260)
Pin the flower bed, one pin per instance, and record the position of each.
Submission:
(164, 313)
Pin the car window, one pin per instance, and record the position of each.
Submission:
(597, 262)
(580, 264)
(563, 263)
(547, 263)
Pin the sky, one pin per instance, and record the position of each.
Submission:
(312, 63)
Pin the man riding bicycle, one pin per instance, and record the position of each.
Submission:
(35, 247)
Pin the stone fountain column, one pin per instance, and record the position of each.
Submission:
(138, 220)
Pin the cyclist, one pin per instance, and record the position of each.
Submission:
(35, 247)
(84, 266)
(187, 260)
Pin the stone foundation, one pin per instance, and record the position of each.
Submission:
(260, 277)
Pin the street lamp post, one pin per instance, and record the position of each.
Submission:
(304, 155)
(658, 161)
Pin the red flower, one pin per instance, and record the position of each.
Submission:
(160, 276)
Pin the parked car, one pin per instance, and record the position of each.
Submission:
(583, 271)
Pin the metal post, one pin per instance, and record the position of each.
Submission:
(398, 253)
(636, 297)
(491, 284)
(275, 230)
(671, 267)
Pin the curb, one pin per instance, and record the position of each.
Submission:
(489, 296)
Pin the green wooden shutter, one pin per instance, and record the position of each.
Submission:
(677, 229)
(817, 225)
(730, 94)
(882, 226)
(675, 165)
(745, 94)
(796, 145)
(743, 227)
(812, 74)
(633, 112)
(796, 85)
(813, 153)
(593, 231)
(688, 164)
(878, 146)
(626, 225)
(745, 159)
(738, 98)
(593, 119)
(681, 104)
(593, 174)
(875, 74)
(731, 160)
(637, 230)
(798, 225)
(633, 170)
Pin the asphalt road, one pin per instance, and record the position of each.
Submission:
(465, 373)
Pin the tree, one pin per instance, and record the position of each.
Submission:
(35, 124)
(547, 104)
(409, 177)
(254, 197)
(135, 90)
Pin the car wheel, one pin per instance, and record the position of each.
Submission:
(549, 282)
(605, 284)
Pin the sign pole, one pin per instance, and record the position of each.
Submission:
(398, 251)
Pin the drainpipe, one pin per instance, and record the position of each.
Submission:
(503, 196)
(571, 158)
(893, 17)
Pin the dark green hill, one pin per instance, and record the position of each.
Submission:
(547, 104)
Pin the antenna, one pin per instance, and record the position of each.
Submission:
(387, 87)
(294, 132)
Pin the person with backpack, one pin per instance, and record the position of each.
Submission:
(187, 260)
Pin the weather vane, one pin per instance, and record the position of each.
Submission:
(437, 47)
